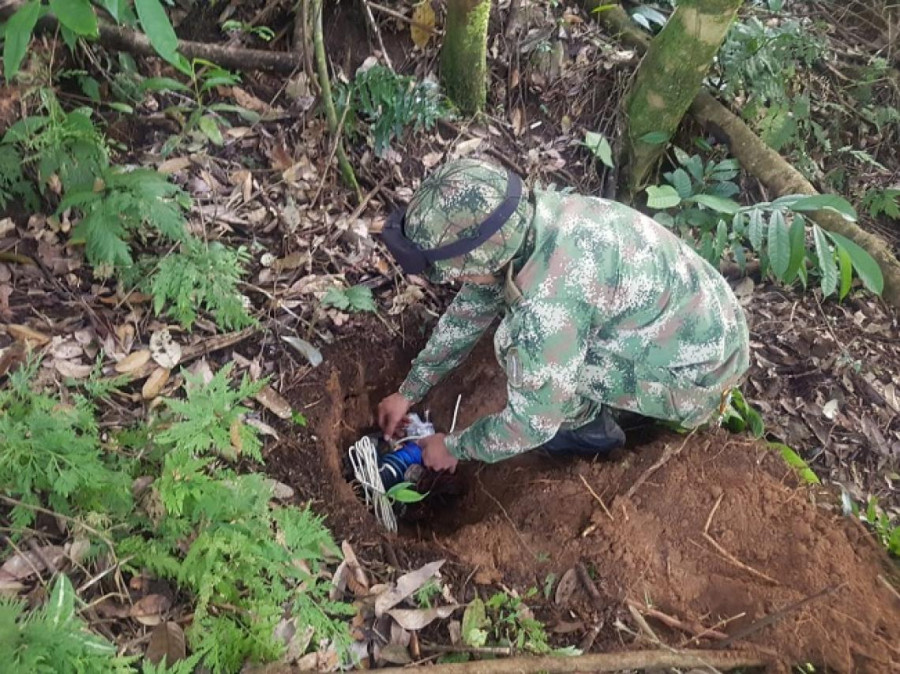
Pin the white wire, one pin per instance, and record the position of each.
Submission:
(364, 459)
(455, 413)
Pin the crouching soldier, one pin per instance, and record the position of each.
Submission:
(602, 308)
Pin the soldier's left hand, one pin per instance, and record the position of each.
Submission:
(435, 454)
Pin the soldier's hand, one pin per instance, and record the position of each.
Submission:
(435, 454)
(391, 411)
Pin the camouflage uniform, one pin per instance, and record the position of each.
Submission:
(600, 305)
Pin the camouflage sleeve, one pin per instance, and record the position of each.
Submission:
(542, 370)
(466, 319)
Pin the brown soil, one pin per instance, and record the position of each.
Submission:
(526, 518)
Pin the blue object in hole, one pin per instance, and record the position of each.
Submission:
(398, 466)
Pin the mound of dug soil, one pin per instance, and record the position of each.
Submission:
(711, 528)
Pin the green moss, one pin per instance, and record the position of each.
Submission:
(464, 53)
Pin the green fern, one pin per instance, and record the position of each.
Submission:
(53, 640)
(13, 185)
(207, 417)
(202, 276)
(120, 205)
(52, 454)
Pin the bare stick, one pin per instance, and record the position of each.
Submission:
(738, 563)
(375, 29)
(483, 650)
(596, 496)
(97, 533)
(689, 628)
(403, 17)
(713, 512)
(668, 453)
(594, 662)
(773, 618)
(588, 584)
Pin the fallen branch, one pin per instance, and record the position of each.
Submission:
(131, 41)
(668, 453)
(594, 662)
(697, 631)
(757, 158)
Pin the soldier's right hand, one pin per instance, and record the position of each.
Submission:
(391, 411)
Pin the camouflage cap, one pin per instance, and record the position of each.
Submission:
(451, 203)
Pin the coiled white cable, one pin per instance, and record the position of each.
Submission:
(364, 459)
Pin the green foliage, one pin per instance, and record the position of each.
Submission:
(17, 36)
(506, 620)
(53, 639)
(599, 147)
(120, 205)
(264, 33)
(388, 103)
(52, 454)
(208, 416)
(776, 232)
(402, 492)
(159, 31)
(740, 416)
(355, 298)
(202, 275)
(244, 562)
(882, 202)
(429, 591)
(13, 184)
(796, 462)
(888, 532)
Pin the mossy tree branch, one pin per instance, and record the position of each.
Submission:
(464, 53)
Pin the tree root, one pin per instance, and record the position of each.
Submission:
(759, 159)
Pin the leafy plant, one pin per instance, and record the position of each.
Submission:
(388, 104)
(796, 462)
(53, 639)
(740, 416)
(355, 298)
(882, 202)
(402, 492)
(775, 231)
(264, 33)
(52, 454)
(202, 275)
(425, 594)
(599, 147)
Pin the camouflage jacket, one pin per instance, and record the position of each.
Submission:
(602, 306)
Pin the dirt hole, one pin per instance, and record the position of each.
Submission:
(720, 534)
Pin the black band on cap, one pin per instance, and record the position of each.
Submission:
(414, 260)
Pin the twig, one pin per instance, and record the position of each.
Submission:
(403, 17)
(668, 453)
(375, 29)
(79, 523)
(773, 618)
(594, 662)
(695, 630)
(644, 625)
(334, 148)
(588, 584)
(480, 650)
(328, 100)
(734, 560)
(713, 512)
(596, 496)
(709, 630)
(884, 581)
(27, 559)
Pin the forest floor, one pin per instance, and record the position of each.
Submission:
(698, 533)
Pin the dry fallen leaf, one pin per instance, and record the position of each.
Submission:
(422, 25)
(72, 369)
(567, 585)
(22, 333)
(466, 147)
(155, 382)
(274, 402)
(166, 641)
(133, 361)
(150, 609)
(416, 619)
(356, 578)
(249, 101)
(405, 586)
(26, 564)
(234, 433)
(174, 165)
(165, 351)
(395, 654)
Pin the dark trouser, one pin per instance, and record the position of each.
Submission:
(596, 438)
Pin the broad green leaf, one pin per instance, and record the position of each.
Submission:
(846, 267)
(61, 606)
(660, 197)
(740, 257)
(76, 15)
(795, 461)
(162, 84)
(681, 181)
(474, 622)
(830, 202)
(865, 265)
(718, 204)
(121, 107)
(249, 115)
(597, 143)
(825, 259)
(755, 230)
(210, 128)
(159, 31)
(798, 248)
(402, 492)
(779, 245)
(18, 36)
(654, 138)
(721, 240)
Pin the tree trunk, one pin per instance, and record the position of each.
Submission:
(464, 53)
(669, 78)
